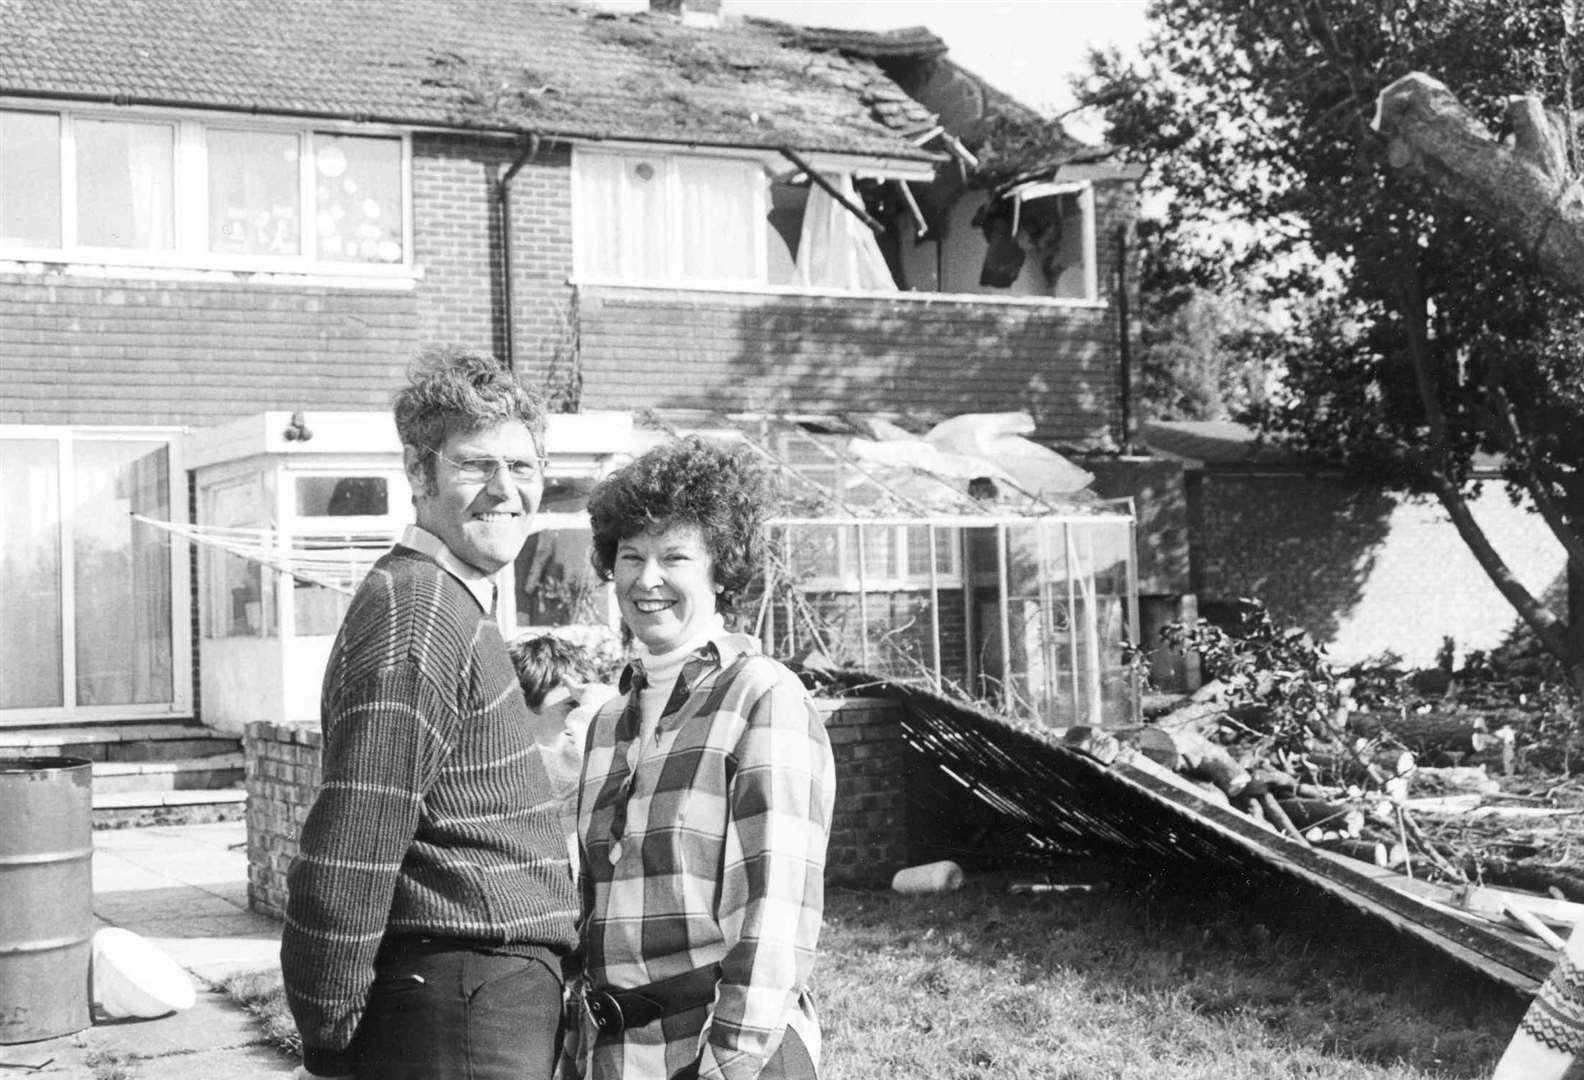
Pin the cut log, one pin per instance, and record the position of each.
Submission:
(1098, 744)
(1274, 813)
(1371, 851)
(1425, 733)
(1458, 778)
(1274, 780)
(1317, 813)
(1191, 754)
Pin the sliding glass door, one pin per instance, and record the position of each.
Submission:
(93, 599)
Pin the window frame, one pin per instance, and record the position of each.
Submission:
(847, 578)
(905, 172)
(182, 642)
(675, 234)
(191, 202)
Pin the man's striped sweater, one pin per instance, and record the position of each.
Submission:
(435, 815)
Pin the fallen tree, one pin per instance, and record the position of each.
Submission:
(1522, 187)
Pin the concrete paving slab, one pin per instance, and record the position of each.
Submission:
(184, 888)
(214, 1039)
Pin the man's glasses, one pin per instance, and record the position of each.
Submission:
(481, 470)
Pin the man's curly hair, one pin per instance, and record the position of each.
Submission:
(451, 390)
(721, 488)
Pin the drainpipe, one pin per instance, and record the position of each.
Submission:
(503, 199)
(1124, 342)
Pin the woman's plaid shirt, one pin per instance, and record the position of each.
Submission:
(707, 846)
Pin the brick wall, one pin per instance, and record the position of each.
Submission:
(869, 832)
(282, 777)
(798, 354)
(1365, 571)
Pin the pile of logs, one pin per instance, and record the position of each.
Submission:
(1348, 785)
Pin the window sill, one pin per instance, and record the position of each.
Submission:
(395, 278)
(756, 289)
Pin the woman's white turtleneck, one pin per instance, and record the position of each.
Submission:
(662, 670)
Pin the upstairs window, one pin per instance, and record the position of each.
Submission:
(670, 217)
(679, 219)
(176, 191)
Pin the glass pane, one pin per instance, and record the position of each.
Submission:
(946, 552)
(342, 496)
(125, 184)
(814, 553)
(879, 553)
(30, 575)
(123, 573)
(238, 603)
(716, 215)
(318, 610)
(357, 191)
(254, 192)
(621, 217)
(30, 182)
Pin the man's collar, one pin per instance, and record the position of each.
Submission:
(474, 580)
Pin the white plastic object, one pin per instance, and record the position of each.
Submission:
(944, 876)
(133, 978)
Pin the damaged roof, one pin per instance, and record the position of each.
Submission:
(551, 68)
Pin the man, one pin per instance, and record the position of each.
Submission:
(431, 903)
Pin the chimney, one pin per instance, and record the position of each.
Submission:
(705, 14)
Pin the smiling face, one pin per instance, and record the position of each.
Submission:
(484, 523)
(665, 584)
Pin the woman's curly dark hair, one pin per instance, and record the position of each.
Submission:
(721, 488)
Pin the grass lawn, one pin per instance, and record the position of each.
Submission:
(1173, 982)
(984, 984)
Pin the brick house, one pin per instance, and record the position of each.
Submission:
(236, 222)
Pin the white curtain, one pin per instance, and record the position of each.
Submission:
(721, 215)
(653, 218)
(621, 216)
(836, 250)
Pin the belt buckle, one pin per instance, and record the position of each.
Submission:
(605, 1010)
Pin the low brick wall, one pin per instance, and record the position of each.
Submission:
(282, 777)
(869, 832)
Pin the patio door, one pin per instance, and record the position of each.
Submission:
(93, 626)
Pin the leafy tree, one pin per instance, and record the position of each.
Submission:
(1422, 340)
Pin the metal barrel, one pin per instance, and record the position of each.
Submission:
(46, 897)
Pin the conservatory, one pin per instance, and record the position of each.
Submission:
(969, 559)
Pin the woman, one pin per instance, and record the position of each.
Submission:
(706, 794)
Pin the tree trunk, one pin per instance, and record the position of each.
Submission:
(1520, 189)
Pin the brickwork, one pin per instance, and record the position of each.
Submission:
(1364, 571)
(869, 833)
(282, 777)
(758, 351)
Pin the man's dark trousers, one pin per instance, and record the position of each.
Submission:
(439, 1011)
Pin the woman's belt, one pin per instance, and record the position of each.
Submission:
(614, 1010)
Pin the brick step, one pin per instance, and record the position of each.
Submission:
(119, 742)
(130, 809)
(188, 774)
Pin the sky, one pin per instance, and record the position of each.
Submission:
(1029, 48)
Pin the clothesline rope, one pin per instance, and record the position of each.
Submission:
(336, 561)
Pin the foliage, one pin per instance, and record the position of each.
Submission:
(1421, 343)
(1276, 680)
(1202, 357)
